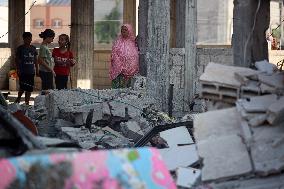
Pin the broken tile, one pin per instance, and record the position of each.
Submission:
(187, 177)
(176, 136)
(181, 156)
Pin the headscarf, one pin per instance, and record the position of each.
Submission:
(124, 56)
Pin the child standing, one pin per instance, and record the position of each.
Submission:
(26, 63)
(45, 60)
(63, 59)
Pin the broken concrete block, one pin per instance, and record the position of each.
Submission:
(246, 76)
(267, 149)
(272, 182)
(217, 123)
(258, 104)
(246, 133)
(275, 80)
(266, 89)
(181, 156)
(132, 130)
(250, 89)
(265, 66)
(63, 123)
(276, 112)
(176, 136)
(225, 75)
(187, 177)
(223, 158)
(257, 120)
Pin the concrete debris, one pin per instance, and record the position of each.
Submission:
(180, 137)
(229, 83)
(179, 156)
(265, 66)
(276, 112)
(132, 130)
(238, 145)
(275, 80)
(187, 177)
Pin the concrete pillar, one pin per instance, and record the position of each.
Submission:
(82, 42)
(186, 24)
(129, 13)
(142, 35)
(157, 51)
(250, 46)
(16, 26)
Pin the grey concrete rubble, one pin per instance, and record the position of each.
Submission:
(119, 118)
(228, 83)
(242, 146)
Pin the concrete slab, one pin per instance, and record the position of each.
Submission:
(224, 158)
(275, 80)
(181, 156)
(267, 149)
(176, 136)
(272, 182)
(222, 74)
(258, 104)
(187, 177)
(217, 123)
(245, 76)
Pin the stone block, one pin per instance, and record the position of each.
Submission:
(223, 158)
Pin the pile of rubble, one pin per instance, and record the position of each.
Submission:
(226, 84)
(95, 118)
(242, 146)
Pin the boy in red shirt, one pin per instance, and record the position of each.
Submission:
(63, 60)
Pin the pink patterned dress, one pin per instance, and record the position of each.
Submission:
(124, 57)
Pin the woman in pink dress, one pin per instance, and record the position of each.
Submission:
(124, 58)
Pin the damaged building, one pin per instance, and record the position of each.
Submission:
(196, 116)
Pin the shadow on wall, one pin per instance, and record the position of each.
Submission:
(5, 59)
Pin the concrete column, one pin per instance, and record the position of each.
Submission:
(129, 13)
(157, 52)
(16, 26)
(142, 35)
(259, 42)
(248, 46)
(186, 24)
(82, 42)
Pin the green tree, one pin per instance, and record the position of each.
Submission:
(107, 30)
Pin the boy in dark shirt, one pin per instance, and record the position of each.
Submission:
(26, 62)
